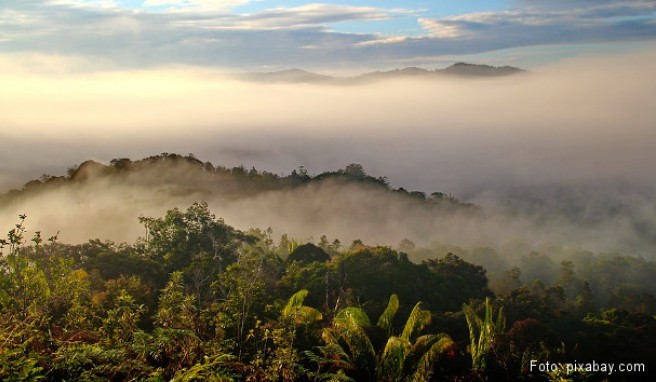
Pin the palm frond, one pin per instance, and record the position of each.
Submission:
(386, 318)
(501, 321)
(348, 326)
(299, 313)
(430, 358)
(294, 302)
(391, 363)
(421, 345)
(482, 332)
(419, 318)
(355, 315)
(307, 315)
(474, 324)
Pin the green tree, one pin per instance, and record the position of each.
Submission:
(483, 333)
(245, 288)
(176, 309)
(294, 317)
(410, 356)
(195, 235)
(407, 356)
(120, 325)
(24, 288)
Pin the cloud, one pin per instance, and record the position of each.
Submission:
(130, 38)
(196, 5)
(441, 29)
(302, 36)
(558, 22)
(311, 14)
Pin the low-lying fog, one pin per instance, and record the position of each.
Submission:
(570, 147)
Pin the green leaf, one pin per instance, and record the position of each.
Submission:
(386, 318)
(419, 318)
(392, 360)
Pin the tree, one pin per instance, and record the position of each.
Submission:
(459, 280)
(176, 309)
(177, 337)
(23, 285)
(483, 333)
(408, 356)
(24, 291)
(510, 281)
(348, 329)
(355, 170)
(407, 246)
(294, 317)
(308, 253)
(120, 325)
(195, 235)
(245, 288)
(196, 243)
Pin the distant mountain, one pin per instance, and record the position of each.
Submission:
(459, 69)
(286, 76)
(390, 74)
(464, 69)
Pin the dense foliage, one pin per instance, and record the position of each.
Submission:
(197, 299)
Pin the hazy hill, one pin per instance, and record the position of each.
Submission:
(105, 200)
(301, 76)
(465, 69)
(197, 176)
(286, 76)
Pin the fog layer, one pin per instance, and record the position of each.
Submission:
(571, 146)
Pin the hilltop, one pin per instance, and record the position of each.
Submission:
(189, 174)
(105, 199)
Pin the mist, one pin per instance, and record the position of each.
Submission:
(563, 154)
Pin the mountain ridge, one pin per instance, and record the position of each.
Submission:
(459, 69)
(169, 167)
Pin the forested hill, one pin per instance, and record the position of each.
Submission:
(179, 175)
(95, 200)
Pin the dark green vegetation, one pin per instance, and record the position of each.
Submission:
(199, 300)
(196, 299)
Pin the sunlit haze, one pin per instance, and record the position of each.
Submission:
(100, 80)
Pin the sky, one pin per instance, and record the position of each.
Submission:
(329, 36)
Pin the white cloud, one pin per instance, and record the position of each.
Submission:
(196, 5)
(387, 40)
(440, 28)
(302, 16)
(86, 3)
